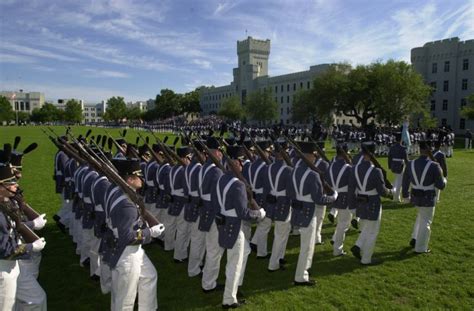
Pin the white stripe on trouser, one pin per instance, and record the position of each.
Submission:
(438, 194)
(197, 249)
(105, 277)
(422, 228)
(94, 256)
(29, 295)
(343, 223)
(9, 273)
(281, 233)
(235, 268)
(213, 258)
(260, 237)
(397, 187)
(87, 240)
(320, 213)
(305, 258)
(183, 230)
(162, 214)
(170, 231)
(134, 274)
(367, 237)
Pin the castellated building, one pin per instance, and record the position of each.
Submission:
(448, 67)
(252, 75)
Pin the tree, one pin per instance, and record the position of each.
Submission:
(232, 109)
(134, 113)
(116, 109)
(23, 117)
(305, 108)
(73, 111)
(6, 111)
(261, 106)
(189, 102)
(468, 110)
(47, 113)
(167, 104)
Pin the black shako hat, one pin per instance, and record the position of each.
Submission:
(183, 151)
(236, 152)
(368, 147)
(307, 146)
(6, 174)
(128, 166)
(212, 143)
(425, 144)
(265, 145)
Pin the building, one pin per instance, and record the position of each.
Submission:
(91, 113)
(142, 105)
(24, 101)
(252, 74)
(448, 66)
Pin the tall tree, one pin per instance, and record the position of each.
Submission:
(189, 102)
(47, 113)
(232, 109)
(116, 109)
(167, 103)
(73, 111)
(6, 111)
(134, 113)
(305, 109)
(261, 106)
(468, 110)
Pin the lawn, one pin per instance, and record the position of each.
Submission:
(443, 279)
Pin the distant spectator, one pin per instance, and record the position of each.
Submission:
(468, 139)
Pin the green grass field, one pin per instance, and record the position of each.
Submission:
(443, 279)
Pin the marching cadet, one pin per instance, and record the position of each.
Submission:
(122, 151)
(208, 177)
(323, 166)
(162, 183)
(306, 190)
(151, 191)
(229, 198)
(197, 246)
(424, 176)
(131, 268)
(255, 177)
(366, 186)
(338, 178)
(397, 158)
(278, 176)
(60, 162)
(440, 157)
(15, 284)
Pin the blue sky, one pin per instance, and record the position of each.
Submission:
(95, 49)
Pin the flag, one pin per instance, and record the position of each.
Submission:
(406, 134)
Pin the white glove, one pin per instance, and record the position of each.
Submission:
(157, 230)
(39, 222)
(38, 245)
(445, 180)
(406, 200)
(262, 214)
(335, 195)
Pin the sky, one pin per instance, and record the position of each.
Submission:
(96, 49)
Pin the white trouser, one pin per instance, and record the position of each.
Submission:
(260, 237)
(320, 213)
(134, 273)
(467, 143)
(422, 228)
(334, 211)
(183, 230)
(343, 223)
(87, 241)
(213, 258)
(197, 249)
(29, 295)
(397, 187)
(438, 194)
(94, 256)
(281, 233)
(105, 277)
(367, 238)
(77, 234)
(9, 273)
(305, 258)
(65, 212)
(235, 268)
(170, 231)
(162, 214)
(247, 229)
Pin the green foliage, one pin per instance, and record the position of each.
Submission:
(261, 106)
(116, 109)
(189, 102)
(23, 117)
(167, 104)
(47, 113)
(232, 109)
(6, 111)
(426, 120)
(73, 111)
(134, 113)
(468, 110)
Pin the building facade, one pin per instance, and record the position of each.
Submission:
(252, 75)
(91, 113)
(448, 67)
(24, 101)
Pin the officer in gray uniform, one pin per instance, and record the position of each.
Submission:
(397, 158)
(306, 191)
(163, 185)
(440, 157)
(229, 200)
(366, 186)
(323, 166)
(424, 176)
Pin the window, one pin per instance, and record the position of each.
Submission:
(434, 68)
(294, 86)
(445, 104)
(308, 85)
(444, 122)
(281, 111)
(276, 99)
(446, 86)
(276, 89)
(446, 66)
(463, 102)
(465, 64)
(288, 99)
(281, 99)
(287, 121)
(462, 124)
(433, 86)
(301, 85)
(288, 110)
(433, 105)
(27, 106)
(22, 106)
(86, 114)
(464, 84)
(281, 88)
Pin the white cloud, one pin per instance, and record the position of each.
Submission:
(17, 59)
(23, 49)
(105, 73)
(204, 64)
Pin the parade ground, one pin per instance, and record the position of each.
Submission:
(443, 279)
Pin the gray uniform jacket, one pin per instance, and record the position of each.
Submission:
(191, 190)
(162, 182)
(151, 191)
(99, 189)
(397, 157)
(208, 177)
(177, 184)
(338, 178)
(440, 157)
(254, 176)
(277, 176)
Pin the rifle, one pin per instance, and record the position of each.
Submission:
(327, 188)
(376, 163)
(152, 152)
(29, 212)
(260, 152)
(320, 151)
(164, 149)
(9, 209)
(281, 151)
(197, 153)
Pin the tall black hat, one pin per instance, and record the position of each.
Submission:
(236, 152)
(128, 166)
(212, 143)
(6, 174)
(368, 147)
(183, 151)
(307, 146)
(425, 144)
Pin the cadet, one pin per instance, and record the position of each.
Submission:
(440, 157)
(424, 176)
(397, 158)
